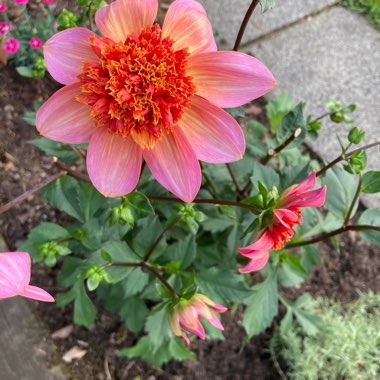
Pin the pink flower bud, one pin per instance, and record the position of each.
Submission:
(15, 268)
(35, 43)
(4, 28)
(187, 314)
(11, 45)
(3, 7)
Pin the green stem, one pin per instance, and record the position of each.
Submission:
(354, 200)
(234, 180)
(333, 233)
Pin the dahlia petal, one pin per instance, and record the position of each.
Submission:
(255, 265)
(229, 79)
(220, 308)
(214, 135)
(64, 119)
(113, 163)
(37, 293)
(14, 273)
(312, 198)
(122, 18)
(65, 52)
(174, 164)
(215, 322)
(284, 215)
(303, 186)
(263, 243)
(186, 23)
(186, 339)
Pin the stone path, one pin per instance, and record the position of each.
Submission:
(25, 350)
(316, 49)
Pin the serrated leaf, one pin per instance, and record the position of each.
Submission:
(291, 272)
(135, 282)
(183, 251)
(264, 174)
(371, 182)
(139, 203)
(370, 217)
(53, 148)
(69, 272)
(222, 285)
(84, 309)
(309, 322)
(309, 257)
(157, 327)
(278, 108)
(179, 351)
(262, 306)
(291, 121)
(62, 194)
(134, 313)
(90, 200)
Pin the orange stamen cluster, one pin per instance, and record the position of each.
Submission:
(139, 87)
(280, 233)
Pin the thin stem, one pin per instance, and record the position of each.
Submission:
(234, 179)
(162, 235)
(71, 172)
(344, 156)
(205, 201)
(244, 24)
(209, 182)
(33, 190)
(333, 233)
(354, 200)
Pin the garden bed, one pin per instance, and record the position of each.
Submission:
(339, 275)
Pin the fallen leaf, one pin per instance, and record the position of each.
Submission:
(73, 354)
(63, 333)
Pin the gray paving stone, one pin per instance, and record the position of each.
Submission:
(336, 55)
(227, 15)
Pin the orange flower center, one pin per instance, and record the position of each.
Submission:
(139, 87)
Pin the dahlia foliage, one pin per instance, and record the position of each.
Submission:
(141, 105)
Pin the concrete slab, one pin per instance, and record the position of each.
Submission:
(335, 54)
(227, 15)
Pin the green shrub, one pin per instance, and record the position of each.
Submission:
(346, 347)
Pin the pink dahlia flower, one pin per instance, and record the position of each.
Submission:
(286, 215)
(187, 316)
(3, 7)
(35, 43)
(22, 1)
(15, 270)
(4, 28)
(145, 92)
(11, 45)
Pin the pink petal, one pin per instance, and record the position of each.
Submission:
(186, 23)
(220, 308)
(284, 215)
(37, 294)
(64, 119)
(215, 322)
(15, 270)
(265, 242)
(303, 186)
(113, 163)
(312, 198)
(185, 338)
(229, 79)
(122, 18)
(66, 51)
(256, 264)
(174, 164)
(214, 135)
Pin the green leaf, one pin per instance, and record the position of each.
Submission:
(30, 118)
(291, 272)
(62, 194)
(278, 108)
(134, 313)
(236, 112)
(52, 148)
(90, 200)
(292, 120)
(222, 285)
(25, 71)
(267, 4)
(45, 232)
(157, 327)
(265, 175)
(69, 272)
(179, 351)
(135, 282)
(309, 257)
(371, 182)
(341, 189)
(309, 322)
(262, 306)
(139, 203)
(370, 217)
(183, 251)
(84, 309)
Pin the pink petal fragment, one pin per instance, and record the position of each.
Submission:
(255, 264)
(14, 273)
(64, 119)
(265, 242)
(37, 294)
(187, 24)
(186, 339)
(229, 79)
(312, 198)
(303, 186)
(174, 164)
(122, 18)
(113, 163)
(284, 216)
(220, 308)
(214, 135)
(66, 51)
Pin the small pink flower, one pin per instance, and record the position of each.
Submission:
(11, 45)
(48, 1)
(35, 43)
(22, 1)
(4, 28)
(187, 316)
(3, 7)
(286, 215)
(143, 91)
(15, 270)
